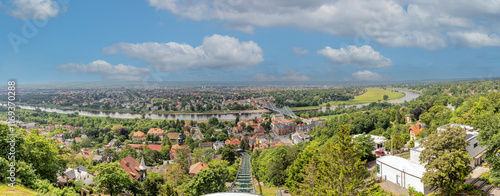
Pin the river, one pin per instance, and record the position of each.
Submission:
(198, 117)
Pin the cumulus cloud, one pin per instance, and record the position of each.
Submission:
(368, 76)
(216, 52)
(364, 57)
(106, 70)
(474, 39)
(422, 23)
(300, 51)
(34, 9)
(288, 75)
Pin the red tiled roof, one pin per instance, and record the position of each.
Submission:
(173, 136)
(234, 141)
(131, 166)
(156, 147)
(155, 131)
(205, 144)
(197, 167)
(138, 134)
(417, 127)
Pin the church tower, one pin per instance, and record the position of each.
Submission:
(144, 169)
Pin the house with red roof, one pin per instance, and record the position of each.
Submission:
(173, 136)
(234, 141)
(135, 169)
(156, 131)
(156, 147)
(237, 129)
(197, 167)
(415, 129)
(204, 145)
(138, 136)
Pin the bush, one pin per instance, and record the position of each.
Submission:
(467, 187)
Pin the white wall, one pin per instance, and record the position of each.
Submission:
(403, 179)
(414, 156)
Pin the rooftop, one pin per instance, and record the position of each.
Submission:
(403, 165)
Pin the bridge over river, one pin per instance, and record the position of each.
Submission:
(244, 182)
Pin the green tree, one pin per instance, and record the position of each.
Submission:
(386, 97)
(152, 184)
(397, 142)
(228, 154)
(446, 160)
(489, 136)
(339, 159)
(174, 175)
(85, 143)
(168, 190)
(217, 173)
(366, 145)
(43, 155)
(295, 172)
(76, 147)
(181, 156)
(111, 178)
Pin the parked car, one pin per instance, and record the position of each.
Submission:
(380, 152)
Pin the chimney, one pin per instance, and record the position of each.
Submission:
(78, 170)
(128, 164)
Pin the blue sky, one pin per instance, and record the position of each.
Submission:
(235, 40)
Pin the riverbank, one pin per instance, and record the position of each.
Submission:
(246, 114)
(147, 112)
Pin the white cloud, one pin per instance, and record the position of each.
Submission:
(474, 39)
(364, 57)
(368, 76)
(288, 75)
(106, 70)
(34, 9)
(216, 52)
(394, 23)
(300, 51)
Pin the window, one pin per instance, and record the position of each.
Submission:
(475, 145)
(378, 169)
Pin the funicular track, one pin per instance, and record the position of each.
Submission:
(244, 182)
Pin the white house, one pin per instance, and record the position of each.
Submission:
(217, 145)
(300, 137)
(402, 171)
(475, 151)
(80, 173)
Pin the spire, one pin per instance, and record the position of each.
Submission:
(142, 166)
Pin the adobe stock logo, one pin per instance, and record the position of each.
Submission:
(31, 25)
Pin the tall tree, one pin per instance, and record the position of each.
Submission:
(489, 136)
(168, 190)
(111, 178)
(446, 160)
(174, 174)
(367, 146)
(337, 169)
(43, 154)
(295, 173)
(228, 154)
(152, 184)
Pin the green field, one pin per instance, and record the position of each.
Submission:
(19, 190)
(372, 95)
(329, 117)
